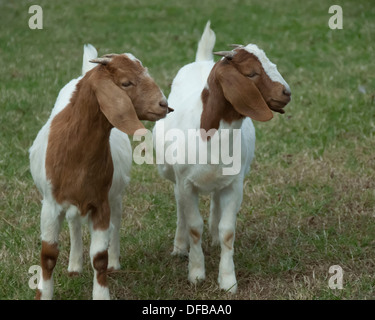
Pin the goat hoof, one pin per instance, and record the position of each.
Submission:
(197, 275)
(101, 293)
(228, 284)
(179, 252)
(113, 266)
(74, 271)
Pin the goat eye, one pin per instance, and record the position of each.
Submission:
(252, 75)
(126, 84)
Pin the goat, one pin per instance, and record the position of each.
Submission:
(81, 159)
(222, 96)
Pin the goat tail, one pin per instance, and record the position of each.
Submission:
(206, 44)
(89, 52)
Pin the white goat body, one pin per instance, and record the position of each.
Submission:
(191, 179)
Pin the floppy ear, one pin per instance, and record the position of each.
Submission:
(243, 95)
(117, 106)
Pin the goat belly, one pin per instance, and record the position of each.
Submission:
(209, 178)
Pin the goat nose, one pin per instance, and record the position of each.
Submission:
(163, 103)
(287, 92)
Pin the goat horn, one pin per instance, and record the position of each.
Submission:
(110, 55)
(103, 61)
(236, 45)
(227, 54)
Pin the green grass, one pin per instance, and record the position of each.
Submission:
(309, 201)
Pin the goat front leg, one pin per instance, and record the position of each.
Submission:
(230, 202)
(51, 220)
(188, 205)
(100, 235)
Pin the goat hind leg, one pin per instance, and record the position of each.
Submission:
(214, 219)
(76, 245)
(181, 239)
(188, 201)
(114, 245)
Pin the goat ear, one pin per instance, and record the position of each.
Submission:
(243, 95)
(117, 106)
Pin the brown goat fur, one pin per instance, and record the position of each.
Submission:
(239, 87)
(78, 160)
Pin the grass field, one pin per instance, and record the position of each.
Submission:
(309, 201)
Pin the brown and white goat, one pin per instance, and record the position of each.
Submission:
(81, 159)
(217, 100)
